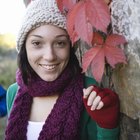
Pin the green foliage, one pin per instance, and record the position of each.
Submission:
(3, 50)
(8, 66)
(7, 41)
(7, 72)
(3, 122)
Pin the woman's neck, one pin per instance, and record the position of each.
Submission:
(41, 107)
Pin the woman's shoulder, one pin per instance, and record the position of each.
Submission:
(11, 92)
(13, 86)
(89, 81)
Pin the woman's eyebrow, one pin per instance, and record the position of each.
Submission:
(37, 36)
(62, 35)
(57, 36)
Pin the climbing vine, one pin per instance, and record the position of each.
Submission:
(89, 20)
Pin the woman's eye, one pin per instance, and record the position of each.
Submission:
(36, 43)
(60, 44)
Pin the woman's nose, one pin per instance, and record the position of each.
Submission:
(49, 53)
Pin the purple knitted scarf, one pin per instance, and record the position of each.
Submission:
(63, 121)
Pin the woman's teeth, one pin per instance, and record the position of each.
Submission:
(48, 67)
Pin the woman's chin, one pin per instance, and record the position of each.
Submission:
(48, 78)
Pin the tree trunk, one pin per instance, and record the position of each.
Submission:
(126, 78)
(26, 2)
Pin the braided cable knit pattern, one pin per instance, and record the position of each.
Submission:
(63, 121)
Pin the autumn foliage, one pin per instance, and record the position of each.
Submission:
(89, 20)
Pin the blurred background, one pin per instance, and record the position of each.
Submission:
(11, 13)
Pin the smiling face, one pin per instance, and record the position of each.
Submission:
(48, 51)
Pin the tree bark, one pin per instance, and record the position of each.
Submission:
(126, 21)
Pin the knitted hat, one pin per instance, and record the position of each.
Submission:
(40, 12)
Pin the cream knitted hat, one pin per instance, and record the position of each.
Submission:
(40, 12)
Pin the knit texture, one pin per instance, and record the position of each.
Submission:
(40, 12)
(63, 121)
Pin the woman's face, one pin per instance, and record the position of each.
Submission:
(48, 51)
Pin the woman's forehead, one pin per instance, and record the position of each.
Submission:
(48, 30)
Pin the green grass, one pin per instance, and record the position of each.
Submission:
(3, 50)
(7, 72)
(3, 122)
(8, 67)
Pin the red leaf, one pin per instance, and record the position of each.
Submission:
(68, 4)
(71, 21)
(114, 55)
(65, 4)
(115, 40)
(88, 57)
(74, 37)
(98, 14)
(84, 15)
(82, 26)
(96, 55)
(98, 64)
(60, 4)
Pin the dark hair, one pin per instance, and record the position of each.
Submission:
(24, 66)
(27, 71)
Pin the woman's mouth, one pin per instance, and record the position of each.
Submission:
(48, 67)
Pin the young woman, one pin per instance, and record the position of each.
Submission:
(52, 99)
